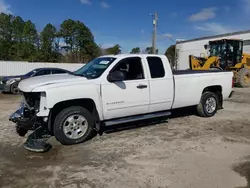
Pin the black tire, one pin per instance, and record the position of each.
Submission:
(201, 107)
(14, 88)
(21, 131)
(62, 117)
(244, 77)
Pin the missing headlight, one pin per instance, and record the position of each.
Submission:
(32, 100)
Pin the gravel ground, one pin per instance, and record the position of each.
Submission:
(185, 152)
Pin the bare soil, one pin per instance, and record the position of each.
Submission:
(184, 152)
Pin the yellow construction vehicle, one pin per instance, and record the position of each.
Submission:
(225, 54)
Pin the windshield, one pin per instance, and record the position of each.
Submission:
(95, 68)
(216, 49)
(29, 74)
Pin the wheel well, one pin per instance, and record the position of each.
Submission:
(218, 91)
(89, 104)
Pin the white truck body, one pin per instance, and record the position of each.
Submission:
(195, 47)
(114, 100)
(126, 100)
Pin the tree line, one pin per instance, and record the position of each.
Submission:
(170, 52)
(72, 42)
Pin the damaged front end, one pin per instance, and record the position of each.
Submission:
(25, 117)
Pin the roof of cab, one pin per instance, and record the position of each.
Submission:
(130, 55)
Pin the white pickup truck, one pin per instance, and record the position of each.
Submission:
(115, 89)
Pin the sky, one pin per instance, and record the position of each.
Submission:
(129, 23)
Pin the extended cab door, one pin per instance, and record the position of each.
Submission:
(161, 83)
(129, 97)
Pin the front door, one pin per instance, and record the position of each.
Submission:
(129, 97)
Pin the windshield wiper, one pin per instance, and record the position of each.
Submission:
(78, 74)
(83, 75)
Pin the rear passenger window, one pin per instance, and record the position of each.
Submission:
(43, 72)
(156, 67)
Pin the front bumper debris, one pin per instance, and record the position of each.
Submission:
(25, 120)
(37, 141)
(231, 94)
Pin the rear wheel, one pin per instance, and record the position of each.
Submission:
(74, 125)
(244, 77)
(208, 105)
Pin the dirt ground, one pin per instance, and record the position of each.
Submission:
(185, 152)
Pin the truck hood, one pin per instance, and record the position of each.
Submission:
(29, 84)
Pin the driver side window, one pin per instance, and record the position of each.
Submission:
(131, 68)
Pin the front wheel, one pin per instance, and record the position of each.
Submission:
(208, 105)
(74, 125)
(14, 88)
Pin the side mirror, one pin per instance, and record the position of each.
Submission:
(116, 76)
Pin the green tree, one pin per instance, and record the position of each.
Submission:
(116, 49)
(149, 50)
(49, 51)
(170, 53)
(67, 33)
(18, 29)
(19, 40)
(5, 36)
(136, 50)
(79, 41)
(86, 46)
(30, 38)
(17, 50)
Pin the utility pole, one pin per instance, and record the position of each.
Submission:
(155, 19)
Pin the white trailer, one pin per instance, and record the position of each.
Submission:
(195, 47)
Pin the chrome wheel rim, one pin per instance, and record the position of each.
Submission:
(75, 126)
(210, 105)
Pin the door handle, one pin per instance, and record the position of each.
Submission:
(141, 86)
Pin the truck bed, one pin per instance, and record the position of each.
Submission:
(189, 87)
(180, 72)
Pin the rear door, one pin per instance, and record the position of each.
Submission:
(129, 97)
(160, 83)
